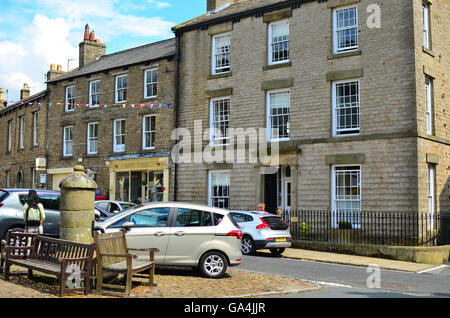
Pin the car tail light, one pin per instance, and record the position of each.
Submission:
(236, 233)
(263, 225)
(1, 204)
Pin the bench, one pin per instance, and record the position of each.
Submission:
(114, 256)
(54, 257)
(19, 239)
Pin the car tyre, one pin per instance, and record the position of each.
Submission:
(15, 229)
(248, 245)
(277, 251)
(213, 265)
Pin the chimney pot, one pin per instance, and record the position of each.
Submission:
(86, 32)
(59, 68)
(92, 36)
(52, 67)
(25, 92)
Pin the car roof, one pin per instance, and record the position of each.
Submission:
(260, 213)
(115, 201)
(186, 205)
(11, 190)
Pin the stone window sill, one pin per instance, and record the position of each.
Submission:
(223, 75)
(342, 55)
(428, 51)
(276, 66)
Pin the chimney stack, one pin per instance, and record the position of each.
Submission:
(24, 92)
(3, 103)
(214, 4)
(55, 71)
(91, 48)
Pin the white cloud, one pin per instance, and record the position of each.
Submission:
(53, 37)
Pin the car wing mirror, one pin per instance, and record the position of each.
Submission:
(127, 226)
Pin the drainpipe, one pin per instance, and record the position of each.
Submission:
(177, 102)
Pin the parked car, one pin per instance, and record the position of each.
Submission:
(262, 230)
(101, 214)
(114, 206)
(12, 202)
(186, 235)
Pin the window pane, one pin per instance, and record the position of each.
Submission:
(190, 218)
(279, 115)
(221, 53)
(347, 108)
(220, 189)
(279, 42)
(151, 218)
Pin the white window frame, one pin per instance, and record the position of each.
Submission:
(426, 25)
(224, 138)
(66, 141)
(117, 89)
(337, 29)
(429, 105)
(92, 93)
(269, 116)
(146, 130)
(8, 179)
(211, 198)
(92, 140)
(431, 194)
(35, 129)
(21, 132)
(340, 133)
(350, 169)
(70, 99)
(147, 83)
(116, 146)
(271, 43)
(214, 68)
(9, 136)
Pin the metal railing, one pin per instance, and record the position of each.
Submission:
(379, 228)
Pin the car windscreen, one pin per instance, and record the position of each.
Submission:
(276, 223)
(3, 195)
(127, 205)
(119, 215)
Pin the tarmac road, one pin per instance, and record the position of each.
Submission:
(351, 281)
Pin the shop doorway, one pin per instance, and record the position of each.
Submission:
(140, 186)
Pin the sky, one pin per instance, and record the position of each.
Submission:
(37, 33)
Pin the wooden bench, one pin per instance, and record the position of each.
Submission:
(19, 239)
(114, 256)
(54, 257)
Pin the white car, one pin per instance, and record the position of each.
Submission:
(185, 234)
(262, 230)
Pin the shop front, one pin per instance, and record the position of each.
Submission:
(139, 179)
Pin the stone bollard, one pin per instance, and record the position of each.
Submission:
(77, 207)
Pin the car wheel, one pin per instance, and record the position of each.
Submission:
(247, 245)
(15, 229)
(213, 265)
(277, 251)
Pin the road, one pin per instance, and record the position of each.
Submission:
(351, 281)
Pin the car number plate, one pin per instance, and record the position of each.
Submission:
(281, 239)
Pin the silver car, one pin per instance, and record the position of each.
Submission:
(12, 202)
(185, 234)
(114, 206)
(262, 230)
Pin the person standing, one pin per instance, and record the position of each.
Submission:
(33, 214)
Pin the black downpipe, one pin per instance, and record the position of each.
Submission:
(177, 104)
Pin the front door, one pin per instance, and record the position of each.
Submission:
(270, 192)
(287, 200)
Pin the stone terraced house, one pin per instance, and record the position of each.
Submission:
(112, 115)
(354, 92)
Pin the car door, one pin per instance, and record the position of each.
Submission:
(51, 204)
(150, 230)
(191, 234)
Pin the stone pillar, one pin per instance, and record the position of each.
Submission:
(77, 207)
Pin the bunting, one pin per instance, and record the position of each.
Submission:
(160, 106)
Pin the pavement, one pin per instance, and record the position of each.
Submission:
(355, 260)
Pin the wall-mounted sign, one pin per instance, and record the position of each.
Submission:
(41, 164)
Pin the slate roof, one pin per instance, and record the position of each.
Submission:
(236, 10)
(138, 55)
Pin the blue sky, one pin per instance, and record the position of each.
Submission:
(37, 33)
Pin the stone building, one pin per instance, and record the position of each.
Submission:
(113, 115)
(352, 94)
(22, 139)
